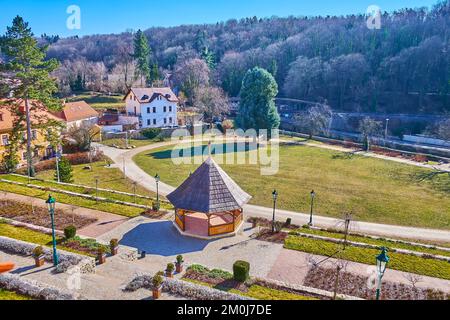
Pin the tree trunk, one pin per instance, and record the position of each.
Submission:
(29, 155)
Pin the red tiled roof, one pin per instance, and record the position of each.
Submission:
(80, 110)
(38, 113)
(146, 95)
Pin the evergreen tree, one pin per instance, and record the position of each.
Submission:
(142, 54)
(208, 57)
(26, 63)
(257, 108)
(154, 73)
(65, 171)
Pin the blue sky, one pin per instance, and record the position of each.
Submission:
(115, 16)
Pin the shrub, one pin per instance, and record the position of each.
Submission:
(180, 259)
(38, 251)
(101, 251)
(278, 226)
(70, 232)
(157, 281)
(113, 243)
(241, 270)
(65, 171)
(288, 222)
(151, 133)
(170, 267)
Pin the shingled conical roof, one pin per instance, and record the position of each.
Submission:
(209, 190)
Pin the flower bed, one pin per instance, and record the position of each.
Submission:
(39, 216)
(355, 285)
(88, 246)
(183, 288)
(267, 235)
(253, 288)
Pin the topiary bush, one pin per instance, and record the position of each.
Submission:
(70, 232)
(241, 270)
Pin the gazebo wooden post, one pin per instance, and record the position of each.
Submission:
(209, 225)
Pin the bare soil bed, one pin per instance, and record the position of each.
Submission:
(26, 213)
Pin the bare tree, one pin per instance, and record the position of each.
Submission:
(315, 120)
(444, 130)
(190, 75)
(212, 102)
(368, 128)
(81, 136)
(413, 279)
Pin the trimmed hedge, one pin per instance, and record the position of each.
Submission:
(241, 270)
(70, 232)
(151, 133)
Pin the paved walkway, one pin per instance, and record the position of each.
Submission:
(137, 174)
(105, 221)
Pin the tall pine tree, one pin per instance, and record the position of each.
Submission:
(257, 108)
(141, 54)
(25, 63)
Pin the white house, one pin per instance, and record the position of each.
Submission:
(77, 114)
(155, 107)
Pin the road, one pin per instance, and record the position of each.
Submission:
(123, 159)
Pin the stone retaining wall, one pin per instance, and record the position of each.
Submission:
(32, 289)
(67, 260)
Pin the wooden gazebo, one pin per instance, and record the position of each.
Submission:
(209, 203)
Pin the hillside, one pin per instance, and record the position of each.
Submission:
(402, 68)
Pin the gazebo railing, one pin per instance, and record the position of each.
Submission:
(179, 220)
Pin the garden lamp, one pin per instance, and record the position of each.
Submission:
(157, 179)
(51, 203)
(313, 195)
(274, 196)
(382, 260)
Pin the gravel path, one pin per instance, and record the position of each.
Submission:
(137, 174)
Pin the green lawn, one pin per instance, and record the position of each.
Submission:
(99, 101)
(372, 189)
(398, 261)
(9, 295)
(376, 242)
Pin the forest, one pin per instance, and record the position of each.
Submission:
(403, 67)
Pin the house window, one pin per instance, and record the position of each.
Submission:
(170, 120)
(5, 141)
(154, 122)
(154, 109)
(1, 116)
(170, 108)
(165, 109)
(165, 120)
(148, 109)
(24, 156)
(148, 122)
(33, 135)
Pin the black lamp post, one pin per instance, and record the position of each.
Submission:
(51, 202)
(382, 260)
(313, 195)
(157, 179)
(274, 196)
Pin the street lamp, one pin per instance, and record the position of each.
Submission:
(51, 202)
(382, 260)
(313, 195)
(274, 196)
(386, 130)
(157, 179)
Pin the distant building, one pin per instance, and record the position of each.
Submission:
(77, 114)
(155, 107)
(39, 115)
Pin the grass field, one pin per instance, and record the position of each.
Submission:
(398, 261)
(9, 295)
(374, 190)
(99, 101)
